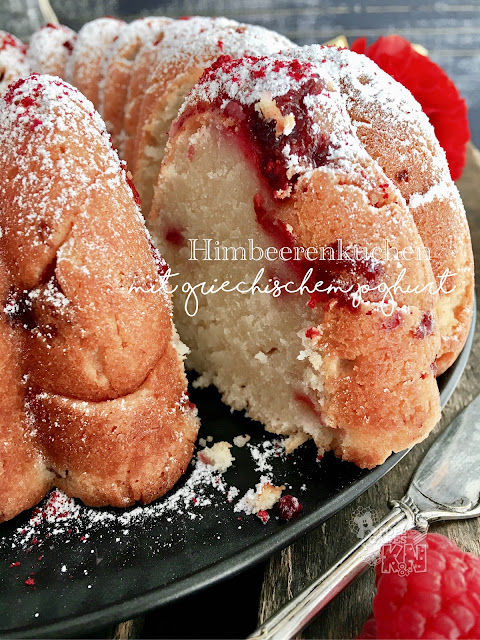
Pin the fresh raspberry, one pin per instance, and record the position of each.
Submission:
(289, 507)
(426, 588)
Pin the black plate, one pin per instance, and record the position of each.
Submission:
(112, 575)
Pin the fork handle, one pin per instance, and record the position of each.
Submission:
(297, 613)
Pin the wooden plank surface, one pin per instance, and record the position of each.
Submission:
(293, 568)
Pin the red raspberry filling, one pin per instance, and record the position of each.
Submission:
(263, 146)
(426, 326)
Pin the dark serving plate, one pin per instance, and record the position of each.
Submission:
(78, 580)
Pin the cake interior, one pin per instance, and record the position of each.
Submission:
(150, 157)
(253, 348)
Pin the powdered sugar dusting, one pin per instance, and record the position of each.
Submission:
(194, 41)
(141, 32)
(395, 130)
(93, 39)
(383, 103)
(39, 116)
(136, 35)
(49, 49)
(183, 35)
(248, 80)
(200, 40)
(60, 515)
(263, 454)
(441, 191)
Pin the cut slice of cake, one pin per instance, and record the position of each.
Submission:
(263, 156)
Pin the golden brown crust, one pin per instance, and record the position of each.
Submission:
(117, 72)
(380, 389)
(103, 340)
(24, 479)
(118, 452)
(76, 268)
(397, 134)
(101, 389)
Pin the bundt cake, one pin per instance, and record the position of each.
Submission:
(93, 393)
(264, 159)
(49, 49)
(302, 201)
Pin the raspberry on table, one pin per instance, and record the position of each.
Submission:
(426, 588)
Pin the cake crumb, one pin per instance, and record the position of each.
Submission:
(270, 111)
(241, 441)
(263, 497)
(232, 493)
(218, 456)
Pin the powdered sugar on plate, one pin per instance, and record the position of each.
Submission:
(61, 516)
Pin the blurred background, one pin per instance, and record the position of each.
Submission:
(449, 30)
